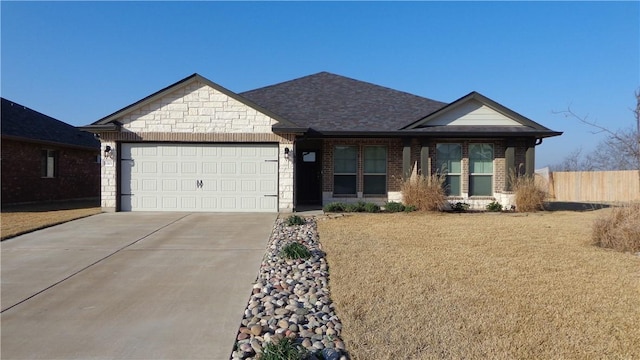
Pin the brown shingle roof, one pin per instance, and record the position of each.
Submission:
(19, 121)
(329, 102)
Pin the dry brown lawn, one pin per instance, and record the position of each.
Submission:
(475, 286)
(30, 218)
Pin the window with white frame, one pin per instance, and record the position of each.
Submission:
(449, 163)
(375, 170)
(345, 169)
(49, 163)
(480, 169)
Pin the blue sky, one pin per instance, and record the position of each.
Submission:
(80, 61)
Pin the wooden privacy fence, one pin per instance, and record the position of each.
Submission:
(607, 186)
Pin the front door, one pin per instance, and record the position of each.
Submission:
(308, 177)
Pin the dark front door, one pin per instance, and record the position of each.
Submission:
(308, 177)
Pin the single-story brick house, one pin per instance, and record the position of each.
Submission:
(45, 159)
(196, 146)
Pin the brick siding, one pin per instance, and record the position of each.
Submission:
(78, 173)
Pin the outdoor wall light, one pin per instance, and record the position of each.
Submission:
(107, 151)
(286, 153)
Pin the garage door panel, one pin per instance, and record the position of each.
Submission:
(267, 203)
(170, 203)
(149, 185)
(188, 151)
(148, 202)
(209, 203)
(228, 151)
(188, 185)
(268, 187)
(228, 203)
(189, 167)
(248, 152)
(199, 177)
(269, 152)
(248, 185)
(169, 167)
(209, 151)
(228, 168)
(170, 151)
(248, 168)
(149, 167)
(188, 202)
(269, 168)
(209, 167)
(169, 185)
(248, 203)
(228, 185)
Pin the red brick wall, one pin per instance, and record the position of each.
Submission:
(394, 160)
(78, 174)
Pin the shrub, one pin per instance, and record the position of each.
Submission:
(283, 349)
(393, 207)
(334, 207)
(424, 192)
(295, 220)
(409, 208)
(460, 206)
(619, 229)
(357, 207)
(371, 208)
(529, 196)
(295, 250)
(494, 206)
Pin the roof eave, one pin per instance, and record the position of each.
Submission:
(439, 134)
(289, 130)
(50, 143)
(100, 128)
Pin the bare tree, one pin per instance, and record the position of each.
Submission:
(620, 150)
(575, 161)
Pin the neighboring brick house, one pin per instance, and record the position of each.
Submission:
(196, 146)
(44, 159)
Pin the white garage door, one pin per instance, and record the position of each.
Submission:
(199, 177)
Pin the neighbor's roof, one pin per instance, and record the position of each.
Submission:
(329, 102)
(21, 123)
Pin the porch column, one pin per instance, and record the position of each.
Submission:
(406, 158)
(425, 164)
(510, 162)
(530, 157)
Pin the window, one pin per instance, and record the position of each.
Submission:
(309, 156)
(375, 170)
(481, 169)
(49, 163)
(345, 168)
(448, 161)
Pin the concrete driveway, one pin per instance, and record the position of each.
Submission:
(131, 286)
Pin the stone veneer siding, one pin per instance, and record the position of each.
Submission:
(196, 113)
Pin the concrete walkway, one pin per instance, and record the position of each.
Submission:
(131, 286)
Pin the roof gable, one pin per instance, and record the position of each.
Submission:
(21, 122)
(477, 110)
(109, 121)
(329, 102)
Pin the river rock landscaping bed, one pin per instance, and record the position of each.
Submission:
(291, 299)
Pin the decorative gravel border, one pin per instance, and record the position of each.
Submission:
(291, 298)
